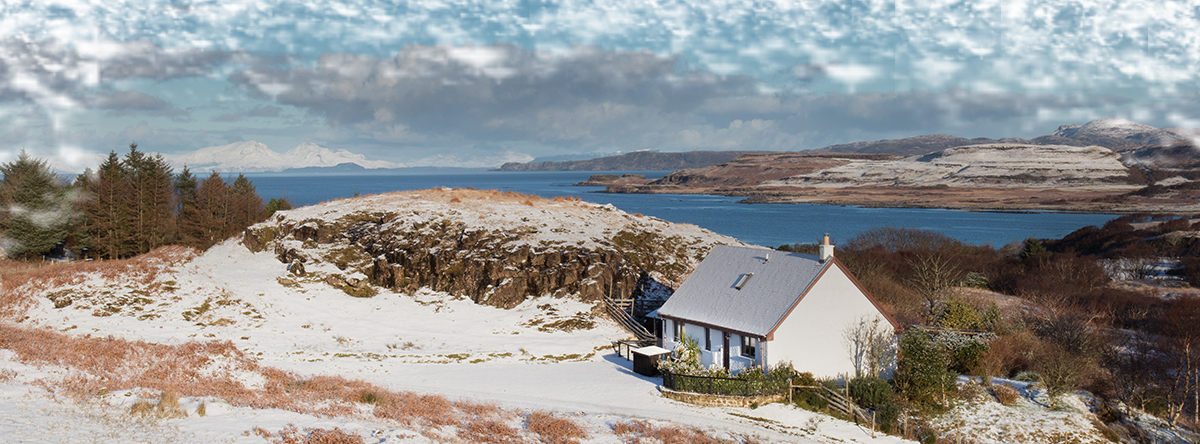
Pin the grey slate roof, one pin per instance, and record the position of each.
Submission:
(709, 295)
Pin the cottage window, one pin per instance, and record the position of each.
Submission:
(749, 346)
(678, 331)
(707, 339)
(742, 280)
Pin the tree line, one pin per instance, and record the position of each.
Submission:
(128, 206)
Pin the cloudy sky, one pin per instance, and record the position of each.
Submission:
(479, 83)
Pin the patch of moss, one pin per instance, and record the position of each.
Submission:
(62, 298)
(363, 291)
(349, 256)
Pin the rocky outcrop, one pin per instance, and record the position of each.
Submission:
(497, 249)
(603, 180)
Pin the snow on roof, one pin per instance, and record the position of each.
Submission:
(711, 295)
(652, 350)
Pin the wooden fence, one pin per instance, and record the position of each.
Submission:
(618, 309)
(838, 401)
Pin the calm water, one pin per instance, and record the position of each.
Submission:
(762, 224)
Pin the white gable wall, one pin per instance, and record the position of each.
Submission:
(811, 336)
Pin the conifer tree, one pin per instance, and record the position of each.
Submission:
(36, 207)
(185, 197)
(107, 211)
(212, 211)
(276, 204)
(153, 199)
(246, 207)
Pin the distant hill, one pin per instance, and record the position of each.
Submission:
(346, 169)
(1108, 133)
(251, 156)
(636, 161)
(909, 146)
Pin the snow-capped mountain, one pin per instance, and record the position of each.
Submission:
(251, 156)
(309, 154)
(1113, 133)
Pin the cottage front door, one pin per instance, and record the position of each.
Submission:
(725, 350)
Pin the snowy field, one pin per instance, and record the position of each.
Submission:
(424, 367)
(427, 342)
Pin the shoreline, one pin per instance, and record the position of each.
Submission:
(993, 200)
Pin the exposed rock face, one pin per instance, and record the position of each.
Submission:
(495, 248)
(996, 165)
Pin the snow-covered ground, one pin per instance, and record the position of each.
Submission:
(545, 354)
(426, 342)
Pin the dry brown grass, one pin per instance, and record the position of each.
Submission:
(642, 432)
(554, 430)
(489, 431)
(1005, 393)
(24, 281)
(292, 435)
(142, 408)
(168, 405)
(98, 365)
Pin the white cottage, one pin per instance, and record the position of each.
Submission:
(751, 307)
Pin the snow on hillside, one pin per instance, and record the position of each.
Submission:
(1031, 418)
(251, 156)
(532, 220)
(545, 354)
(522, 358)
(996, 165)
(428, 342)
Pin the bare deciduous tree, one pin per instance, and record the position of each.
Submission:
(871, 343)
(932, 274)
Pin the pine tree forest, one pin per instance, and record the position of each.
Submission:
(129, 205)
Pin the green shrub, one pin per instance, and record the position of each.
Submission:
(886, 416)
(957, 313)
(804, 378)
(921, 374)
(870, 391)
(966, 358)
(976, 280)
(807, 399)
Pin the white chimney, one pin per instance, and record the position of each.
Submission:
(826, 249)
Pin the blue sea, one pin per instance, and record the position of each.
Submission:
(761, 224)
